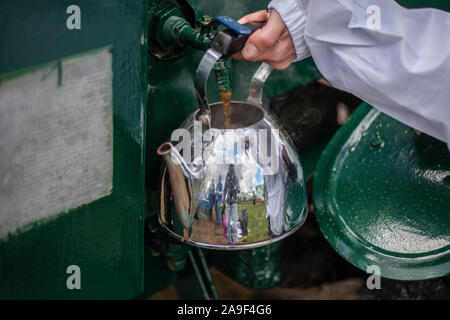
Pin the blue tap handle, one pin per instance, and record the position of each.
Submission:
(232, 39)
(233, 25)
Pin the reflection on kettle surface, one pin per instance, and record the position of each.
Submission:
(244, 189)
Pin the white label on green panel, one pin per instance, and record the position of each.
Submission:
(55, 139)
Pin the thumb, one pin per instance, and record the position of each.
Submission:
(265, 38)
(251, 50)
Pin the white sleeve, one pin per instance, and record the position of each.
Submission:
(396, 59)
(293, 14)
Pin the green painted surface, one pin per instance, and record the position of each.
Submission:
(256, 268)
(439, 4)
(105, 237)
(381, 197)
(309, 155)
(195, 281)
(157, 276)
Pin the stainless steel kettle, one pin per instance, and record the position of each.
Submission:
(232, 187)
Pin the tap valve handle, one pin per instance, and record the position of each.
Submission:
(233, 39)
(223, 45)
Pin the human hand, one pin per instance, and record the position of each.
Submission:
(271, 44)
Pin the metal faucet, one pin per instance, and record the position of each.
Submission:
(223, 45)
(171, 30)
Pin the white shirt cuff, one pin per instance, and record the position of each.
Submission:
(294, 17)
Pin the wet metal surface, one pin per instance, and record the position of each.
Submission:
(382, 197)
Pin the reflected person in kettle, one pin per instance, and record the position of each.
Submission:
(218, 195)
(231, 191)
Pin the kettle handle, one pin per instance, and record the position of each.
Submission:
(257, 83)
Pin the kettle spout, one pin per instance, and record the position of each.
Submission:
(185, 184)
